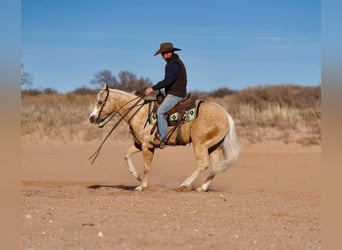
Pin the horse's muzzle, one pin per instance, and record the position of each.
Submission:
(94, 119)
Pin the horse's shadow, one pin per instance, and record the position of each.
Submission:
(120, 186)
(132, 188)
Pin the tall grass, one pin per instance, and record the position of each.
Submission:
(287, 113)
(60, 117)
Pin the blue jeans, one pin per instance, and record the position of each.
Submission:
(169, 102)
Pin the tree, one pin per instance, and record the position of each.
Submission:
(104, 76)
(128, 81)
(26, 80)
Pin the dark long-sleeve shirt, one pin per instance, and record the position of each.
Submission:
(175, 80)
(171, 75)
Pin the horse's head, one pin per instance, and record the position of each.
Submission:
(101, 109)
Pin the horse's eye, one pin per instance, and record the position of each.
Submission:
(100, 102)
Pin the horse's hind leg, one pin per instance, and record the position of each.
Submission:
(206, 184)
(214, 160)
(202, 157)
(132, 150)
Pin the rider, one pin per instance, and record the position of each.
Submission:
(174, 82)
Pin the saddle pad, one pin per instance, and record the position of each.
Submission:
(173, 119)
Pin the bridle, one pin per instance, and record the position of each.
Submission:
(123, 115)
(102, 105)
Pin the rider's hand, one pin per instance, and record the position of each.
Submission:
(148, 91)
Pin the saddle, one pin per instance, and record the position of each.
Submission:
(184, 111)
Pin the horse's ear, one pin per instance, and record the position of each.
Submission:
(105, 86)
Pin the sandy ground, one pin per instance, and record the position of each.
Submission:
(268, 200)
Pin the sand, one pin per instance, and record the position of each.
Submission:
(270, 199)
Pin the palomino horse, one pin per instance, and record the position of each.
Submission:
(212, 135)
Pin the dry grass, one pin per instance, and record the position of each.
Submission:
(287, 113)
(60, 117)
(291, 114)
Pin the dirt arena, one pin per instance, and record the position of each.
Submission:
(270, 199)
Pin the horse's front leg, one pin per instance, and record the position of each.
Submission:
(147, 156)
(132, 150)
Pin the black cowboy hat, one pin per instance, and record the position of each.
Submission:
(165, 47)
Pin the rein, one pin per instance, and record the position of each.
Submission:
(125, 113)
(114, 113)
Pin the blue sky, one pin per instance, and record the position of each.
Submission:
(225, 43)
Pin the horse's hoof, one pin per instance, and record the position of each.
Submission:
(139, 188)
(182, 189)
(200, 189)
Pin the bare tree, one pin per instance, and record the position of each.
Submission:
(26, 79)
(104, 76)
(128, 81)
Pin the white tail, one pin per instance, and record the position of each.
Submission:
(230, 148)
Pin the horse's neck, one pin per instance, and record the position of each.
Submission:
(123, 102)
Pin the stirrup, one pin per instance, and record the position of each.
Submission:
(158, 143)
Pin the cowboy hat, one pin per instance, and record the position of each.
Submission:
(165, 47)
